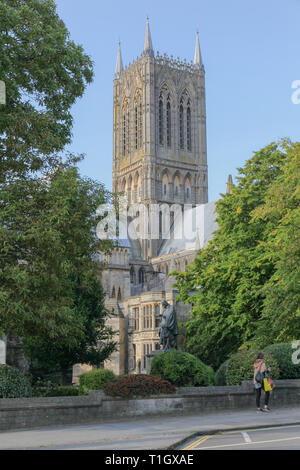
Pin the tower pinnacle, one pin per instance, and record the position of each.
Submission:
(197, 56)
(148, 48)
(119, 63)
(229, 185)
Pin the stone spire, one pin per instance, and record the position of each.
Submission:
(148, 48)
(197, 56)
(229, 185)
(119, 63)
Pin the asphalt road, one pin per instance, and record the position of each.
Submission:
(163, 432)
(279, 438)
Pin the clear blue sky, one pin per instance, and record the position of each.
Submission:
(251, 52)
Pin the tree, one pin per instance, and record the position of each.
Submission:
(93, 347)
(44, 72)
(48, 252)
(224, 283)
(280, 320)
(50, 293)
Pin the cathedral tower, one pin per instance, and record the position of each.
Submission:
(159, 131)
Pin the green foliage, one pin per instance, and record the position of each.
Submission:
(182, 369)
(62, 391)
(240, 366)
(50, 293)
(221, 374)
(95, 379)
(243, 288)
(280, 320)
(44, 72)
(283, 353)
(13, 383)
(141, 385)
(47, 221)
(46, 376)
(181, 338)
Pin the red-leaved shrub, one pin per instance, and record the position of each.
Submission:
(141, 385)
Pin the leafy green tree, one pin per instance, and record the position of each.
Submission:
(280, 320)
(93, 346)
(49, 274)
(44, 72)
(224, 283)
(46, 210)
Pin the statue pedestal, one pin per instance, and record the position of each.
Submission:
(149, 358)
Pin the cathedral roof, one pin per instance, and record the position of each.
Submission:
(193, 232)
(125, 241)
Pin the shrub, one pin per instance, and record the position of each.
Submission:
(63, 391)
(221, 374)
(141, 385)
(95, 379)
(13, 383)
(240, 366)
(283, 353)
(182, 369)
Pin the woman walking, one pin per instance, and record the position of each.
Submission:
(260, 371)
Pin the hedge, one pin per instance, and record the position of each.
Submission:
(13, 383)
(283, 353)
(95, 379)
(240, 366)
(182, 369)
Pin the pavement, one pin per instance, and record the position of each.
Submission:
(147, 433)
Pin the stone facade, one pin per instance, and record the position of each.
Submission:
(159, 158)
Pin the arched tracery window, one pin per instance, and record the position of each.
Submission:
(138, 117)
(136, 128)
(161, 120)
(132, 275)
(176, 185)
(165, 117)
(141, 125)
(181, 127)
(141, 276)
(187, 188)
(185, 122)
(168, 126)
(165, 186)
(119, 294)
(188, 128)
(125, 128)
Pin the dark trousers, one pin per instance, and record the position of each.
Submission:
(258, 395)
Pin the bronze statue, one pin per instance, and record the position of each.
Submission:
(168, 328)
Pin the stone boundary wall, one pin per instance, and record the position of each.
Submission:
(20, 413)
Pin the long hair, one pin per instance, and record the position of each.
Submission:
(260, 355)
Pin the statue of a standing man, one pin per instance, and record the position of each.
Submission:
(168, 328)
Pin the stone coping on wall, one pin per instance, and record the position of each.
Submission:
(96, 397)
(20, 413)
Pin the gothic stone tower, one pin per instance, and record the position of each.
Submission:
(159, 131)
